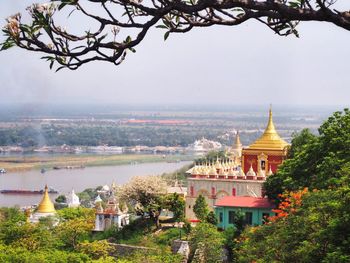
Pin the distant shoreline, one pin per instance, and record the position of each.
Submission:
(27, 163)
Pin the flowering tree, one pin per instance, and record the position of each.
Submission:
(316, 231)
(289, 204)
(146, 194)
(120, 25)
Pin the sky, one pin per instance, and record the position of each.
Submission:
(242, 65)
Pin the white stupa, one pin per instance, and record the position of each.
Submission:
(73, 199)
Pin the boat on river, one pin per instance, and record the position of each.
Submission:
(20, 191)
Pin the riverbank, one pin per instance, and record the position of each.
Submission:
(27, 163)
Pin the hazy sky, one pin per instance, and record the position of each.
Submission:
(247, 64)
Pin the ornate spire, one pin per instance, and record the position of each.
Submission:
(46, 206)
(270, 171)
(270, 138)
(251, 171)
(237, 145)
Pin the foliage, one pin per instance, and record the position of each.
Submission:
(176, 204)
(200, 208)
(178, 176)
(155, 256)
(316, 162)
(96, 249)
(61, 199)
(11, 214)
(104, 43)
(126, 136)
(168, 235)
(146, 193)
(12, 254)
(69, 213)
(209, 242)
(72, 231)
(211, 218)
(317, 230)
(134, 232)
(212, 156)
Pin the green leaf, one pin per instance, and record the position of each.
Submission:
(9, 43)
(162, 26)
(166, 35)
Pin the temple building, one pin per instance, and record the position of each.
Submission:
(111, 215)
(242, 175)
(267, 152)
(45, 208)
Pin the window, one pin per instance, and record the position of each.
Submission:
(221, 217)
(231, 217)
(191, 191)
(265, 217)
(262, 165)
(248, 218)
(233, 191)
(213, 191)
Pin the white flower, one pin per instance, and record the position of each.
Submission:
(13, 24)
(115, 30)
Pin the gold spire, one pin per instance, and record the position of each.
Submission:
(270, 138)
(46, 206)
(237, 144)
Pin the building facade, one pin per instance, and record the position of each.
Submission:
(254, 210)
(242, 175)
(111, 215)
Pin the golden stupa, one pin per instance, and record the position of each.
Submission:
(237, 145)
(270, 139)
(46, 205)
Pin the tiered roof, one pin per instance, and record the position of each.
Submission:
(269, 140)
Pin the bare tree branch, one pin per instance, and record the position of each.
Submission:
(123, 24)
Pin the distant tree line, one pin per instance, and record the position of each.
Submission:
(31, 136)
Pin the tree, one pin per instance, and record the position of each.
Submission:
(310, 227)
(61, 199)
(176, 204)
(146, 193)
(96, 249)
(206, 243)
(72, 231)
(200, 208)
(134, 19)
(316, 162)
(69, 213)
(211, 218)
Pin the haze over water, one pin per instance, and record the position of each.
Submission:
(78, 179)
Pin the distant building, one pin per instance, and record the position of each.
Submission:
(110, 216)
(236, 149)
(204, 145)
(73, 199)
(255, 210)
(240, 176)
(45, 208)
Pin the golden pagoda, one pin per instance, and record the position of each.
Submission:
(270, 140)
(269, 151)
(46, 205)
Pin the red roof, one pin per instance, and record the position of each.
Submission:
(244, 201)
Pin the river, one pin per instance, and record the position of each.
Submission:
(77, 179)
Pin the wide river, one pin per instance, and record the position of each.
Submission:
(78, 179)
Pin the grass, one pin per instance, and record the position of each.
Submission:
(24, 163)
